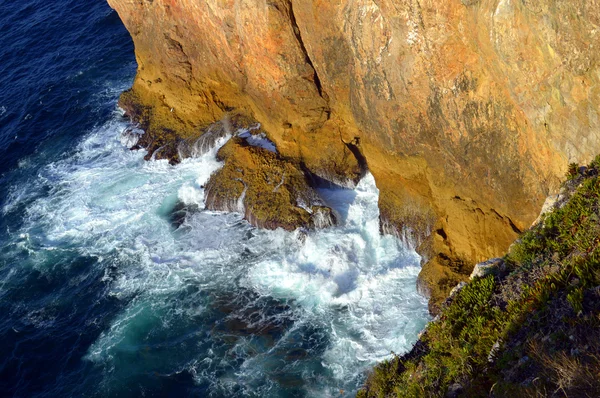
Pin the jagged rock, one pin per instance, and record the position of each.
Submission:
(465, 110)
(457, 289)
(546, 207)
(269, 191)
(489, 267)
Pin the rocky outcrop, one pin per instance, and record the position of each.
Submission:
(467, 112)
(269, 191)
(493, 266)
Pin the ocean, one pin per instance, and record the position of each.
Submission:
(104, 294)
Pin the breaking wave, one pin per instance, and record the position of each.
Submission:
(210, 300)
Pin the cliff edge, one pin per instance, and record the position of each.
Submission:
(527, 324)
(466, 112)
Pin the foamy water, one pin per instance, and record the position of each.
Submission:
(243, 311)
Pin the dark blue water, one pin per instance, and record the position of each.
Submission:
(102, 295)
(59, 64)
(62, 65)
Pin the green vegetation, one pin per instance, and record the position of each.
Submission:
(531, 329)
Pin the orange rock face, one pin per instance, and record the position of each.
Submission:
(467, 112)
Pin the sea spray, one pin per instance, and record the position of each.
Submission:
(242, 311)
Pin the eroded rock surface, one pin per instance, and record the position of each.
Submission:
(467, 112)
(270, 191)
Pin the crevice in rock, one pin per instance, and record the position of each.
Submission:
(353, 146)
(317, 181)
(510, 222)
(298, 35)
(514, 227)
(442, 233)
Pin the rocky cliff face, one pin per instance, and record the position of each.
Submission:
(467, 112)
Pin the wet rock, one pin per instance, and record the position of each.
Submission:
(130, 136)
(268, 190)
(467, 110)
(180, 212)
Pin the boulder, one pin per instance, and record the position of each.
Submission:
(490, 267)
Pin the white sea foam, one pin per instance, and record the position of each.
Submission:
(349, 282)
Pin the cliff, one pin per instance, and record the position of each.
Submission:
(526, 325)
(466, 112)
